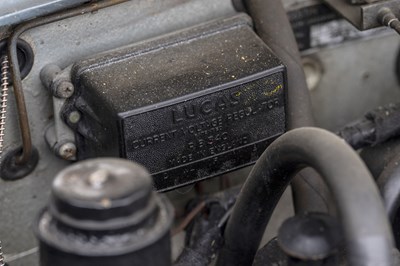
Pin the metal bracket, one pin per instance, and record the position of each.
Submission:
(58, 135)
(364, 16)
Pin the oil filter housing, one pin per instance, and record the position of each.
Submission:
(190, 105)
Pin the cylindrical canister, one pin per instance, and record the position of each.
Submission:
(105, 212)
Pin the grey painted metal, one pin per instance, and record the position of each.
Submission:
(359, 2)
(14, 12)
(59, 136)
(63, 43)
(356, 77)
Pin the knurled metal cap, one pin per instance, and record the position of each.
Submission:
(102, 194)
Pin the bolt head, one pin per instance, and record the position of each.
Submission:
(64, 90)
(67, 151)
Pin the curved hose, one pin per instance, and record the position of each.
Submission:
(272, 25)
(389, 185)
(367, 231)
(378, 157)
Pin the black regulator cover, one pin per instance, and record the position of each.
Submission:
(190, 105)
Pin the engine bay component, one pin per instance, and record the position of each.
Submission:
(3, 100)
(59, 137)
(387, 18)
(104, 212)
(26, 157)
(389, 186)
(376, 127)
(188, 106)
(194, 89)
(25, 57)
(309, 239)
(1, 256)
(366, 15)
(349, 180)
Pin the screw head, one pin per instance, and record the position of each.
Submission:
(64, 90)
(67, 151)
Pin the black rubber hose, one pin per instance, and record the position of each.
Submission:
(376, 127)
(379, 156)
(272, 25)
(367, 232)
(389, 185)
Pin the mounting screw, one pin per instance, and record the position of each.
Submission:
(64, 90)
(67, 151)
(74, 117)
